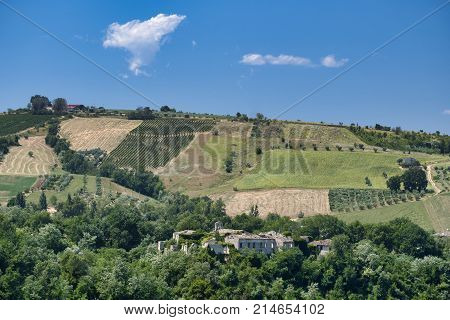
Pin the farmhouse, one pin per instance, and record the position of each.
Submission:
(258, 243)
(323, 246)
(409, 163)
(282, 242)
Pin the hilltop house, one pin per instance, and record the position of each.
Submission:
(409, 163)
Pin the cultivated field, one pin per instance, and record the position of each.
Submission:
(11, 185)
(91, 133)
(13, 123)
(155, 142)
(322, 169)
(19, 162)
(285, 202)
(430, 214)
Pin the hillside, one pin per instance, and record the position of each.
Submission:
(282, 167)
(91, 133)
(14, 123)
(33, 157)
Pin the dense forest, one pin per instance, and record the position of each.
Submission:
(106, 249)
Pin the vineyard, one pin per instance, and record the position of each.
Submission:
(346, 200)
(155, 142)
(442, 177)
(13, 123)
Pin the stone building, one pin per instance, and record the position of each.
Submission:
(281, 241)
(253, 242)
(324, 246)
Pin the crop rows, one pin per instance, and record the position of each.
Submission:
(13, 123)
(155, 142)
(442, 176)
(360, 199)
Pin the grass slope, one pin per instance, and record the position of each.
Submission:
(430, 214)
(322, 169)
(11, 185)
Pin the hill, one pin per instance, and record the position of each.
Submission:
(33, 157)
(91, 133)
(14, 123)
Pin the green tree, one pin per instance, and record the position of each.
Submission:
(59, 105)
(394, 183)
(415, 179)
(42, 201)
(20, 200)
(39, 103)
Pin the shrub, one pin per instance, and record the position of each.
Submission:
(258, 150)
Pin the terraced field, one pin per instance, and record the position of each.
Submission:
(19, 162)
(155, 142)
(91, 133)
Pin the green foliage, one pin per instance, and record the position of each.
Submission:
(14, 123)
(415, 179)
(403, 140)
(111, 255)
(38, 104)
(42, 201)
(394, 183)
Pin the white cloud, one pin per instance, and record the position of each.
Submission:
(283, 59)
(447, 112)
(141, 39)
(194, 43)
(331, 62)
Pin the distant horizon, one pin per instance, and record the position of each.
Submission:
(344, 123)
(232, 56)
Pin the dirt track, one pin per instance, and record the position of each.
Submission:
(285, 202)
(430, 179)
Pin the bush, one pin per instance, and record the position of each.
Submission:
(258, 150)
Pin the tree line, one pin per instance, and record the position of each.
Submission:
(106, 250)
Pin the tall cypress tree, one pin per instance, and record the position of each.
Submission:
(20, 200)
(43, 201)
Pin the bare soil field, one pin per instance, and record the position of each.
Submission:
(103, 133)
(19, 162)
(285, 202)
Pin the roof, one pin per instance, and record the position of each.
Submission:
(247, 236)
(277, 236)
(325, 242)
(224, 232)
(184, 233)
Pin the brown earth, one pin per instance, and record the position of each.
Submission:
(103, 133)
(285, 202)
(19, 162)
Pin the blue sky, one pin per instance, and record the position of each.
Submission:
(229, 56)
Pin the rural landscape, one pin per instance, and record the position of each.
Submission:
(160, 189)
(224, 159)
